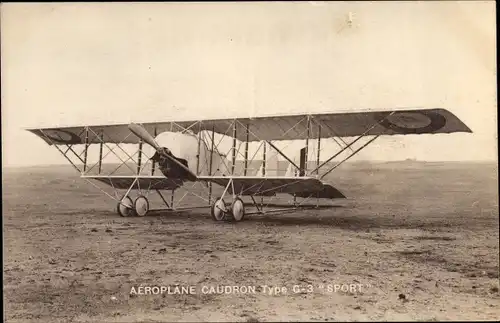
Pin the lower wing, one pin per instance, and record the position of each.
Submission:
(243, 185)
(138, 182)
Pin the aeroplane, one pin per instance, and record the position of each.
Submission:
(184, 155)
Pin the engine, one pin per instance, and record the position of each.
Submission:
(184, 148)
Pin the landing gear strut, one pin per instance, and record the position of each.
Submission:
(220, 211)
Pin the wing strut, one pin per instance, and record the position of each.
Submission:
(282, 154)
(345, 159)
(353, 142)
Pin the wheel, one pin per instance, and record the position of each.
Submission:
(218, 210)
(125, 207)
(141, 205)
(238, 209)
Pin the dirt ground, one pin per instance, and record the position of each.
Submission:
(418, 241)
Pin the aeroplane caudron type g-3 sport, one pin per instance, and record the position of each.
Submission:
(188, 157)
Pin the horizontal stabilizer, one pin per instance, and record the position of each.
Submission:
(328, 192)
(269, 186)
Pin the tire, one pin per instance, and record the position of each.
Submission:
(127, 209)
(238, 209)
(216, 212)
(141, 205)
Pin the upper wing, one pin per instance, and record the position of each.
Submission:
(288, 127)
(256, 185)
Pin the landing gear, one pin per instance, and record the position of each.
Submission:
(221, 212)
(235, 212)
(141, 205)
(125, 207)
(238, 209)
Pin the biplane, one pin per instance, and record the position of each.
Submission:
(187, 155)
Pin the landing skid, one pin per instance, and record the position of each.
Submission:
(127, 207)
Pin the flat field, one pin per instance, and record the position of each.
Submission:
(413, 241)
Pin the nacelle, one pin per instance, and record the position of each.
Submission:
(185, 146)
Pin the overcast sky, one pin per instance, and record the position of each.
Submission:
(73, 64)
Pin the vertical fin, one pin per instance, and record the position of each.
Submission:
(302, 164)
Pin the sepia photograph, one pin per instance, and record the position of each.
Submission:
(303, 161)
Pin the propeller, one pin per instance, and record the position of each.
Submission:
(142, 133)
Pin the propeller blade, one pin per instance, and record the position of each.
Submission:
(142, 133)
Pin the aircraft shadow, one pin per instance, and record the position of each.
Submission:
(323, 218)
(348, 222)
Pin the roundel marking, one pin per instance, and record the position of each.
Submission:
(61, 136)
(412, 122)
